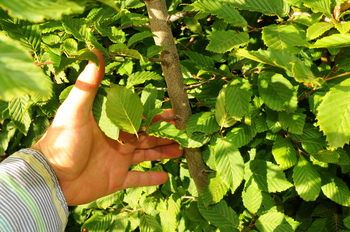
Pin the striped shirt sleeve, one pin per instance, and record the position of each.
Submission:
(30, 196)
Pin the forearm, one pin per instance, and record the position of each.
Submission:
(30, 196)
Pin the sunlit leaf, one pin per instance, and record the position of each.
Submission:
(223, 41)
(276, 222)
(124, 109)
(284, 153)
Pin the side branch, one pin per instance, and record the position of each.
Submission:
(177, 16)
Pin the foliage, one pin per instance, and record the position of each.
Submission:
(268, 82)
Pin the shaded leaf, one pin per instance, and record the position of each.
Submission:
(277, 92)
(223, 118)
(293, 122)
(241, 135)
(214, 191)
(202, 122)
(223, 41)
(307, 180)
(268, 176)
(149, 223)
(140, 77)
(284, 153)
(169, 131)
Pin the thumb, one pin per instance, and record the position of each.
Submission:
(82, 96)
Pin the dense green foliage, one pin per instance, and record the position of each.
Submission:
(268, 82)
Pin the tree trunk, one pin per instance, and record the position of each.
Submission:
(158, 15)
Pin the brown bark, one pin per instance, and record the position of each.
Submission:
(158, 15)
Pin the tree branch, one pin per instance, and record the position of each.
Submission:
(158, 14)
(177, 16)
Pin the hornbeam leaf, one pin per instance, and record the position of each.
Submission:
(283, 37)
(294, 66)
(335, 189)
(332, 41)
(307, 180)
(252, 196)
(223, 118)
(317, 29)
(284, 153)
(222, 11)
(140, 77)
(268, 176)
(277, 92)
(229, 163)
(276, 222)
(169, 131)
(334, 113)
(223, 41)
(268, 7)
(122, 50)
(202, 122)
(138, 37)
(220, 215)
(327, 156)
(149, 223)
(106, 125)
(18, 74)
(124, 109)
(20, 113)
(241, 135)
(293, 122)
(323, 6)
(214, 191)
(38, 10)
(238, 96)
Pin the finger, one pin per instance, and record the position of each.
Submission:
(140, 179)
(82, 95)
(163, 152)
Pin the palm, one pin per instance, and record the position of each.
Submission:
(87, 163)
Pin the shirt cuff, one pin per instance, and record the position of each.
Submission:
(30, 196)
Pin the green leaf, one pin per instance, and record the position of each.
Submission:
(293, 122)
(284, 153)
(223, 41)
(220, 215)
(276, 222)
(202, 122)
(221, 10)
(317, 29)
(283, 37)
(138, 37)
(149, 223)
(169, 131)
(333, 114)
(122, 50)
(332, 41)
(124, 109)
(342, 27)
(277, 92)
(323, 6)
(148, 99)
(229, 163)
(241, 135)
(268, 7)
(223, 118)
(335, 189)
(238, 96)
(347, 222)
(20, 112)
(326, 156)
(252, 196)
(100, 114)
(140, 77)
(268, 176)
(294, 66)
(18, 74)
(28, 33)
(214, 191)
(98, 222)
(307, 180)
(38, 10)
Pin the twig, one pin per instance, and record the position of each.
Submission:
(340, 75)
(177, 16)
(44, 63)
(132, 25)
(189, 197)
(334, 68)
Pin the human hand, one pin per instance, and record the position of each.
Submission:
(87, 163)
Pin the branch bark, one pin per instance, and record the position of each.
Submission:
(158, 15)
